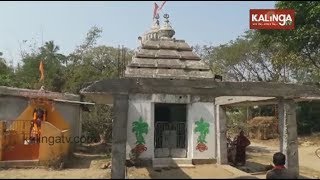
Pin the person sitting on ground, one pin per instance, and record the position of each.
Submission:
(280, 171)
(242, 142)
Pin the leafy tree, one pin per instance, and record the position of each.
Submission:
(89, 63)
(305, 38)
(246, 60)
(29, 72)
(6, 73)
(97, 124)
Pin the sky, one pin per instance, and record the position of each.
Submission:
(67, 22)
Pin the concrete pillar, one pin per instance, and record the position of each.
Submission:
(288, 133)
(281, 122)
(221, 119)
(249, 113)
(119, 137)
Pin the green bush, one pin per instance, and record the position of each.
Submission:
(236, 119)
(97, 124)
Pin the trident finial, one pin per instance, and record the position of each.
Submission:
(157, 16)
(166, 31)
(166, 16)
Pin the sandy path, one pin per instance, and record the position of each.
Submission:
(50, 174)
(308, 161)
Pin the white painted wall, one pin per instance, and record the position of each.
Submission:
(195, 112)
(140, 105)
(143, 105)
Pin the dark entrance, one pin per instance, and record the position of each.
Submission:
(170, 130)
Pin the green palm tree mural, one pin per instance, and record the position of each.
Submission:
(139, 128)
(202, 127)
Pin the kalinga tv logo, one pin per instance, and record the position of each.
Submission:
(272, 19)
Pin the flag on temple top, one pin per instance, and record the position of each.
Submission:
(41, 69)
(162, 5)
(155, 10)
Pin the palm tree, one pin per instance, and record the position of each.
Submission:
(203, 128)
(50, 48)
(53, 60)
(50, 51)
(139, 128)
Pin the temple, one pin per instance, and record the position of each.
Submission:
(35, 126)
(174, 112)
(162, 56)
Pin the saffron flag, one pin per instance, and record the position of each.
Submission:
(155, 10)
(162, 5)
(41, 69)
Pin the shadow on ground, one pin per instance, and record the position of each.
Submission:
(245, 177)
(254, 167)
(259, 169)
(167, 173)
(257, 149)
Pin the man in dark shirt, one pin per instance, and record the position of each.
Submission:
(280, 171)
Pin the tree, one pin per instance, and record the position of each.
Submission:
(89, 63)
(6, 73)
(304, 39)
(53, 65)
(29, 72)
(91, 39)
(244, 59)
(97, 123)
(96, 63)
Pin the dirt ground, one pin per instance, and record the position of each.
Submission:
(260, 154)
(208, 171)
(83, 166)
(87, 164)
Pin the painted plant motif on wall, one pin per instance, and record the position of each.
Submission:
(202, 128)
(139, 128)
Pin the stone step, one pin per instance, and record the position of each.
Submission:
(174, 166)
(19, 164)
(172, 162)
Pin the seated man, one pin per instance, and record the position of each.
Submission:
(280, 171)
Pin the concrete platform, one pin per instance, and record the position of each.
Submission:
(172, 162)
(207, 171)
(19, 164)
